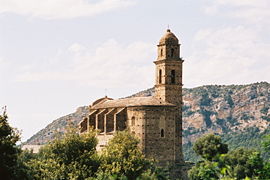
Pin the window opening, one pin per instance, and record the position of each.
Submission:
(173, 76)
(160, 76)
(162, 133)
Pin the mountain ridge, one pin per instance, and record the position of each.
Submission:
(219, 109)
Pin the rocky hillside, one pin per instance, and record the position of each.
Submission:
(57, 127)
(230, 111)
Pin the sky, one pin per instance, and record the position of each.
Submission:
(57, 55)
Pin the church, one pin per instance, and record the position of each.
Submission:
(155, 120)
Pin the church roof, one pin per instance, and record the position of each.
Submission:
(168, 37)
(130, 102)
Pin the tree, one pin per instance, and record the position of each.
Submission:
(238, 164)
(122, 157)
(210, 147)
(73, 157)
(204, 170)
(244, 163)
(9, 152)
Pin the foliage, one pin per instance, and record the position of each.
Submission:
(189, 153)
(266, 143)
(244, 163)
(240, 163)
(10, 165)
(210, 147)
(73, 157)
(229, 100)
(123, 157)
(205, 100)
(250, 138)
(206, 116)
(204, 170)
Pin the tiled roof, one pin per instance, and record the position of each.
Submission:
(129, 102)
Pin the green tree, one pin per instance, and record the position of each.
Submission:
(210, 147)
(241, 163)
(122, 157)
(73, 157)
(204, 170)
(244, 163)
(10, 168)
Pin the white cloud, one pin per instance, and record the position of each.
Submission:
(76, 48)
(229, 55)
(61, 9)
(249, 10)
(111, 65)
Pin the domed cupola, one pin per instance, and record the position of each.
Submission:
(168, 47)
(168, 38)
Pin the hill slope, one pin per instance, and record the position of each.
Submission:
(231, 111)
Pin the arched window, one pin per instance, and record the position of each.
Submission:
(161, 52)
(173, 76)
(133, 121)
(162, 133)
(160, 77)
(172, 52)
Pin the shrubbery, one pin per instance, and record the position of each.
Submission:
(218, 163)
(74, 156)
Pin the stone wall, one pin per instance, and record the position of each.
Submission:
(160, 134)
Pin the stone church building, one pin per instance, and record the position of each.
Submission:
(155, 120)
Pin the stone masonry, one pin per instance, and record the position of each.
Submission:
(155, 120)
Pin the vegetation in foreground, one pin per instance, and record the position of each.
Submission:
(74, 157)
(219, 163)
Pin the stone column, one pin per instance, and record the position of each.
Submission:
(105, 124)
(114, 123)
(96, 121)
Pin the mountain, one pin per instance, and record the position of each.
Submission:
(57, 127)
(239, 113)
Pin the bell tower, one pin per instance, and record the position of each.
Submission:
(168, 85)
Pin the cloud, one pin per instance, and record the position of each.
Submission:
(111, 64)
(248, 10)
(61, 9)
(228, 55)
(76, 48)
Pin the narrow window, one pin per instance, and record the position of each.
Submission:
(133, 121)
(162, 133)
(160, 76)
(161, 52)
(173, 76)
(172, 51)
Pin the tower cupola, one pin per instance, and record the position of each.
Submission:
(168, 38)
(168, 47)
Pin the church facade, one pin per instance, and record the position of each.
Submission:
(155, 120)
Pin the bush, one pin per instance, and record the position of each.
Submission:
(122, 156)
(210, 147)
(73, 157)
(238, 164)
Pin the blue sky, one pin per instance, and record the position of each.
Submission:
(57, 55)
